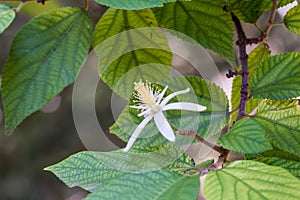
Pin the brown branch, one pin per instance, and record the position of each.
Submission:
(223, 152)
(242, 42)
(192, 133)
(215, 166)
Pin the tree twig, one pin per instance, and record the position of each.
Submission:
(242, 42)
(192, 133)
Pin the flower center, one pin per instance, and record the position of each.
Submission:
(155, 108)
(145, 92)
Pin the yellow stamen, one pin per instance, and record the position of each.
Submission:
(144, 92)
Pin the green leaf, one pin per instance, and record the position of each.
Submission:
(113, 174)
(7, 16)
(277, 77)
(292, 19)
(44, 58)
(246, 136)
(160, 185)
(204, 21)
(256, 56)
(251, 180)
(250, 11)
(206, 123)
(292, 166)
(274, 153)
(259, 54)
(139, 160)
(130, 47)
(281, 121)
(133, 4)
(115, 21)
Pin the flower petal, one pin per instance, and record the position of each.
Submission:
(171, 96)
(137, 132)
(184, 106)
(144, 113)
(164, 127)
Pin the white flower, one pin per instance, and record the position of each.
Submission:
(152, 105)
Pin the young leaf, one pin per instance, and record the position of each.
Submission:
(44, 58)
(251, 180)
(281, 121)
(128, 51)
(292, 19)
(133, 4)
(7, 16)
(204, 21)
(206, 123)
(292, 166)
(277, 77)
(115, 174)
(259, 54)
(246, 136)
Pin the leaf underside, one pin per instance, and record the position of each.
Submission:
(44, 58)
(7, 16)
(133, 4)
(105, 175)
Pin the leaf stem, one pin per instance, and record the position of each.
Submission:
(17, 9)
(258, 28)
(86, 5)
(270, 24)
(233, 111)
(278, 23)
